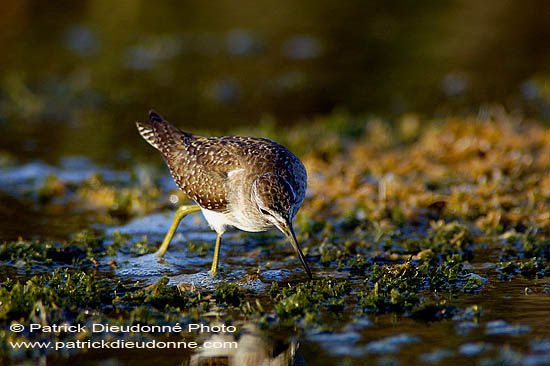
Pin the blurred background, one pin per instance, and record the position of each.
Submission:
(75, 75)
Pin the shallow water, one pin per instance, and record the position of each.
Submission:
(514, 327)
(500, 321)
(183, 266)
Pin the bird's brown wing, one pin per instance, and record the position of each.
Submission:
(199, 165)
(203, 170)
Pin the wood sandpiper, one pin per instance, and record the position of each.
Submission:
(250, 183)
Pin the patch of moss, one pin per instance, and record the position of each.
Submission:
(330, 252)
(524, 253)
(141, 247)
(532, 268)
(26, 251)
(199, 248)
(89, 239)
(61, 289)
(161, 296)
(357, 265)
(306, 302)
(525, 245)
(402, 288)
(229, 294)
(122, 242)
(473, 283)
(447, 238)
(32, 253)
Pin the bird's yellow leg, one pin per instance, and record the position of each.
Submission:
(180, 214)
(214, 268)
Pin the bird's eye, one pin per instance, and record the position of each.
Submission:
(264, 212)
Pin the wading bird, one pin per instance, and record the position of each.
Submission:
(250, 183)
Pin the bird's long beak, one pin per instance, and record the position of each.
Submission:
(289, 233)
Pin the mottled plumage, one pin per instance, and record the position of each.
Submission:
(247, 182)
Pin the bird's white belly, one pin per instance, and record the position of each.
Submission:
(219, 221)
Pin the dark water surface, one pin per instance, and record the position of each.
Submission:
(513, 329)
(75, 75)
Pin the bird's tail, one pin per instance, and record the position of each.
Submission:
(147, 133)
(161, 134)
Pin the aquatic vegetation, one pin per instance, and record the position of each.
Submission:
(201, 249)
(229, 294)
(425, 224)
(57, 292)
(407, 287)
(161, 296)
(534, 268)
(526, 245)
(302, 305)
(489, 172)
(35, 253)
(526, 254)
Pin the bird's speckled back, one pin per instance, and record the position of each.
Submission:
(202, 166)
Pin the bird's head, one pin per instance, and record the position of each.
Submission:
(277, 203)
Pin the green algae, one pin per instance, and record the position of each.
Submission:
(526, 245)
(443, 239)
(162, 297)
(35, 253)
(305, 303)
(409, 244)
(532, 268)
(356, 265)
(123, 243)
(57, 292)
(229, 294)
(199, 248)
(408, 286)
(525, 254)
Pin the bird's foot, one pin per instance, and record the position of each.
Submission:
(213, 274)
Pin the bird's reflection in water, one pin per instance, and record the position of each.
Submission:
(250, 348)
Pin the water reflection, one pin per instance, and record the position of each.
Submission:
(251, 348)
